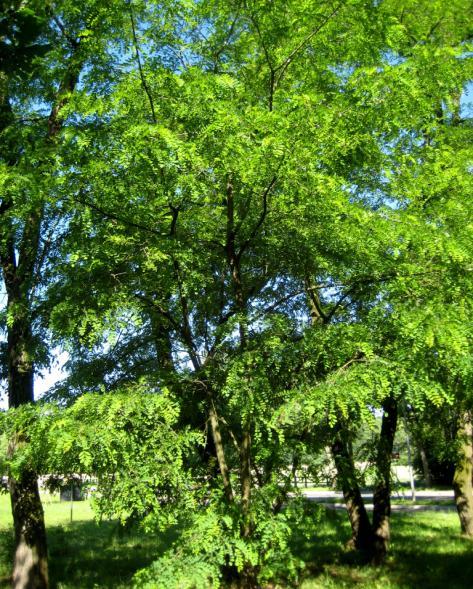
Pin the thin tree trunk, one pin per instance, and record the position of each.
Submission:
(220, 451)
(362, 536)
(245, 479)
(462, 480)
(382, 492)
(248, 576)
(425, 467)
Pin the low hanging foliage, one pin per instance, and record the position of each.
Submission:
(126, 441)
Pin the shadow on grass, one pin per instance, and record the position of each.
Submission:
(427, 552)
(87, 555)
(6, 548)
(430, 553)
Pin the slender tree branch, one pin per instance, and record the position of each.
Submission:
(280, 70)
(115, 217)
(219, 51)
(140, 67)
(261, 219)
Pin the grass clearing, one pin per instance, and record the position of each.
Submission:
(427, 551)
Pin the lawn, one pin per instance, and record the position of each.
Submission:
(83, 554)
(427, 552)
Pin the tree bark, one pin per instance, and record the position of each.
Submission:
(248, 576)
(245, 479)
(220, 450)
(382, 492)
(462, 480)
(425, 467)
(30, 567)
(362, 535)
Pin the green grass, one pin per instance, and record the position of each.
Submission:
(427, 551)
(83, 554)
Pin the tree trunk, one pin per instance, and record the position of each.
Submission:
(248, 576)
(462, 480)
(245, 479)
(30, 568)
(220, 450)
(19, 259)
(362, 536)
(382, 492)
(425, 467)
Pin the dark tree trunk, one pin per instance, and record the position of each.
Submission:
(245, 479)
(425, 467)
(30, 567)
(362, 536)
(220, 450)
(462, 480)
(382, 491)
(248, 576)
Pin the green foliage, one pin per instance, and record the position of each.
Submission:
(127, 441)
(247, 192)
(211, 545)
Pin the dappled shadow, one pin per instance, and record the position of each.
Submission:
(6, 551)
(431, 556)
(425, 554)
(88, 554)
(434, 571)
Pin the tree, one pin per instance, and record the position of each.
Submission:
(250, 202)
(44, 50)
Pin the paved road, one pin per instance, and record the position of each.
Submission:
(443, 498)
